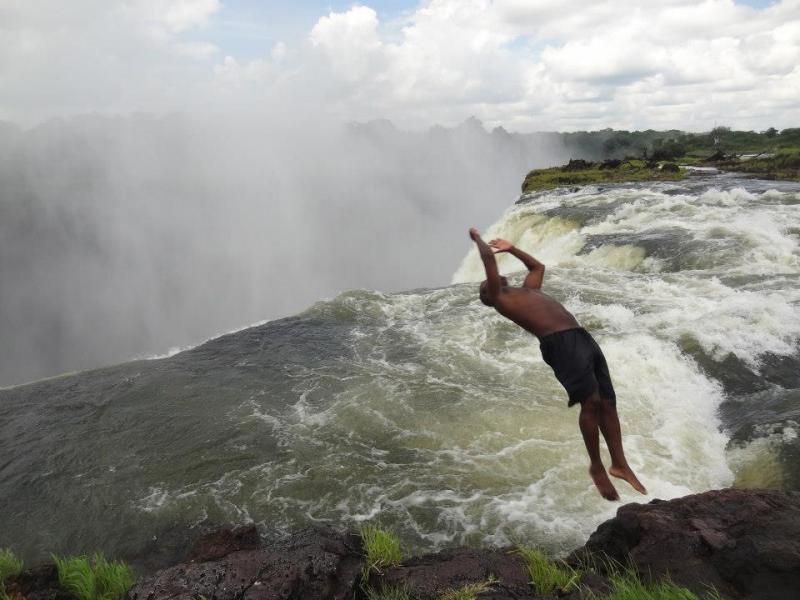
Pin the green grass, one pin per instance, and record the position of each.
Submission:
(546, 576)
(549, 578)
(390, 592)
(785, 164)
(468, 592)
(113, 578)
(381, 547)
(629, 586)
(75, 574)
(10, 565)
(567, 175)
(97, 579)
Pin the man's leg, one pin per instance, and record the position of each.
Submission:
(589, 420)
(609, 425)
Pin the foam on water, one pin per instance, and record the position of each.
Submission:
(757, 239)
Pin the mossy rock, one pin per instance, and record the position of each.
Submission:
(581, 172)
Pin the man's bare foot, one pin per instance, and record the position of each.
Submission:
(603, 483)
(626, 474)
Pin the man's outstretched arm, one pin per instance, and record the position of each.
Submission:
(489, 263)
(536, 275)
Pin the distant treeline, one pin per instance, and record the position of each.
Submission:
(673, 144)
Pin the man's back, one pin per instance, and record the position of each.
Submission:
(534, 311)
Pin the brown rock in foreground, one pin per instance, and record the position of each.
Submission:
(222, 542)
(746, 543)
(427, 577)
(316, 563)
(321, 564)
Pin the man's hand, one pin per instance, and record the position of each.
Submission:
(501, 245)
(493, 283)
(483, 247)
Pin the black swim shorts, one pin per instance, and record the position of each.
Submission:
(578, 364)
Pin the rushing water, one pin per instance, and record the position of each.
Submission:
(430, 413)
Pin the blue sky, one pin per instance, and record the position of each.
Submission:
(756, 3)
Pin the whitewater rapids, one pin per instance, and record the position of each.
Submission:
(430, 413)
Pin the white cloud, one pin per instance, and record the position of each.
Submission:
(576, 64)
(278, 52)
(233, 74)
(526, 64)
(172, 16)
(198, 50)
(594, 59)
(350, 42)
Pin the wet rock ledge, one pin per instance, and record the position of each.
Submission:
(745, 543)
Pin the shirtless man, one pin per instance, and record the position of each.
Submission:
(574, 356)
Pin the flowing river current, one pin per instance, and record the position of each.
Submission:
(429, 413)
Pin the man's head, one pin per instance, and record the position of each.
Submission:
(484, 291)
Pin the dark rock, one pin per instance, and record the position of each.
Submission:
(38, 583)
(501, 591)
(610, 163)
(224, 541)
(577, 164)
(746, 543)
(670, 168)
(427, 577)
(316, 563)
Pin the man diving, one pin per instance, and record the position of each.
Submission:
(576, 359)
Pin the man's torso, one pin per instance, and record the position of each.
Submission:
(534, 311)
